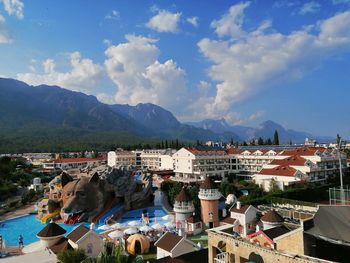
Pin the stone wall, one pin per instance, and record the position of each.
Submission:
(243, 251)
(292, 242)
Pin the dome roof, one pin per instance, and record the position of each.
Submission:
(272, 217)
(183, 196)
(132, 241)
(51, 230)
(207, 184)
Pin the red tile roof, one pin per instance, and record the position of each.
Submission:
(228, 220)
(206, 153)
(304, 151)
(183, 196)
(292, 160)
(234, 151)
(272, 217)
(282, 170)
(207, 184)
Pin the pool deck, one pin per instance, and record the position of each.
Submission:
(18, 212)
(42, 256)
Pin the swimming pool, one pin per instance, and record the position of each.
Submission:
(27, 226)
(155, 213)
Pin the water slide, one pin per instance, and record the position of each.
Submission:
(49, 216)
(107, 212)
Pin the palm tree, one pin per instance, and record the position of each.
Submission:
(111, 254)
(71, 256)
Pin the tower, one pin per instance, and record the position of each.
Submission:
(209, 197)
(271, 219)
(183, 209)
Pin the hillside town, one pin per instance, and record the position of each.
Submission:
(174, 131)
(217, 202)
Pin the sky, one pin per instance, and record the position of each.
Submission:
(245, 61)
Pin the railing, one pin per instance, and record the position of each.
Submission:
(222, 258)
(183, 208)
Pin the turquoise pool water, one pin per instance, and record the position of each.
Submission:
(28, 226)
(155, 213)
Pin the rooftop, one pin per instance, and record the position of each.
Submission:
(168, 241)
(199, 152)
(183, 196)
(77, 233)
(276, 232)
(51, 230)
(272, 217)
(241, 210)
(207, 184)
(292, 160)
(282, 170)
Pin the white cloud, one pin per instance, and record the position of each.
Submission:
(83, 76)
(256, 115)
(5, 37)
(14, 7)
(114, 15)
(139, 76)
(193, 21)
(309, 7)
(107, 42)
(164, 21)
(230, 24)
(106, 98)
(250, 62)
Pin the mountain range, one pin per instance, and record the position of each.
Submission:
(52, 118)
(264, 130)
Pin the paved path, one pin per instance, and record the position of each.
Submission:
(18, 212)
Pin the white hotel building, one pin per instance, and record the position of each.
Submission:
(191, 165)
(153, 159)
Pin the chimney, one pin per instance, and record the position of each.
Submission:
(238, 205)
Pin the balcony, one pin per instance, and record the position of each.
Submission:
(209, 194)
(180, 208)
(222, 258)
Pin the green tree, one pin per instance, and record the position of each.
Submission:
(111, 254)
(260, 141)
(71, 256)
(276, 140)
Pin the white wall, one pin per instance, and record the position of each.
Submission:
(161, 253)
(111, 159)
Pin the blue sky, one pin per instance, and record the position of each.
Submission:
(246, 61)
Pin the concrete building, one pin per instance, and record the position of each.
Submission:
(150, 159)
(157, 159)
(209, 197)
(121, 158)
(36, 185)
(192, 165)
(308, 164)
(183, 209)
(321, 162)
(68, 164)
(244, 218)
(274, 243)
